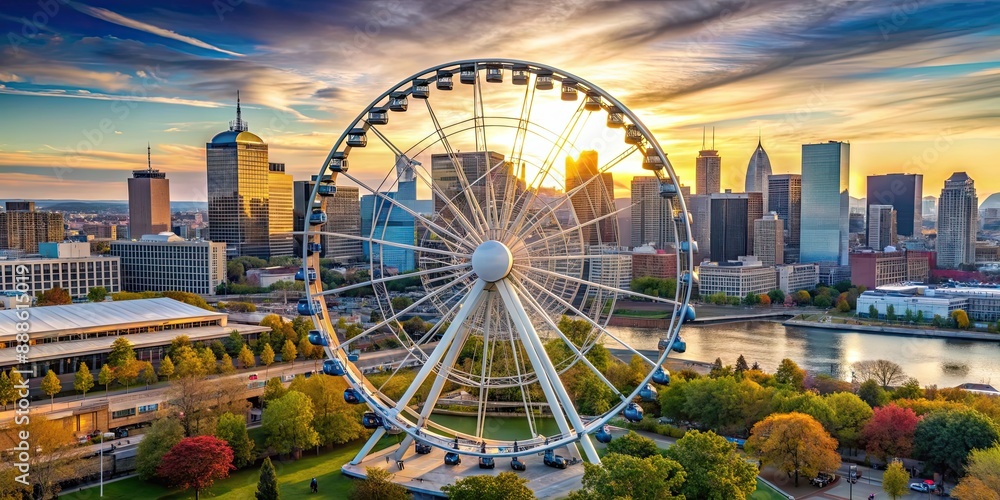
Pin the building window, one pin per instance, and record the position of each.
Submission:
(123, 413)
(149, 408)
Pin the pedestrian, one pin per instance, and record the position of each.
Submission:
(387, 459)
(314, 486)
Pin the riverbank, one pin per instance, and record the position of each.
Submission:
(897, 330)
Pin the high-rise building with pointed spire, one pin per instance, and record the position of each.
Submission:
(758, 170)
(148, 200)
(708, 168)
(239, 191)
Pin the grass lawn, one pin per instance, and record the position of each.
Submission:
(293, 479)
(765, 492)
(631, 313)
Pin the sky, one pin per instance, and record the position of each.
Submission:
(914, 85)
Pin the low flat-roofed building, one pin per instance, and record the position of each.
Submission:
(982, 304)
(795, 277)
(653, 263)
(165, 262)
(63, 336)
(267, 276)
(68, 265)
(736, 278)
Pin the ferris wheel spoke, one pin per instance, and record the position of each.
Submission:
(547, 164)
(579, 226)
(567, 305)
(470, 302)
(414, 305)
(384, 242)
(478, 217)
(611, 289)
(339, 290)
(403, 207)
(525, 296)
(551, 209)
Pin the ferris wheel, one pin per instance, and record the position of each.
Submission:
(509, 244)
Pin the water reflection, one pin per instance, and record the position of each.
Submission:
(944, 362)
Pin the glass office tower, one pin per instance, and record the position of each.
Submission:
(826, 201)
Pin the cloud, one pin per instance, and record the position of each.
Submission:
(85, 94)
(121, 20)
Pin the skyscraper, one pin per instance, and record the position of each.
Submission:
(769, 240)
(784, 197)
(475, 166)
(390, 224)
(882, 226)
(824, 233)
(652, 221)
(758, 170)
(238, 191)
(594, 200)
(958, 213)
(700, 208)
(343, 212)
(708, 168)
(279, 210)
(904, 192)
(148, 201)
(733, 216)
(22, 228)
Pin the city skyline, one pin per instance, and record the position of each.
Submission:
(908, 90)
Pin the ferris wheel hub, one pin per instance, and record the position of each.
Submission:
(492, 261)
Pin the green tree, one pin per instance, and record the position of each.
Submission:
(909, 390)
(400, 303)
(121, 353)
(226, 365)
(872, 312)
(822, 301)
(157, 441)
(56, 296)
(633, 444)
(751, 299)
(273, 390)
(105, 376)
(741, 363)
(83, 381)
(872, 393)
(982, 475)
(920, 317)
(246, 357)
(7, 392)
(147, 374)
(944, 438)
(624, 476)
(97, 294)
(267, 485)
(166, 367)
(335, 421)
(890, 313)
(289, 352)
(233, 430)
(504, 486)
(234, 343)
(288, 423)
(850, 414)
(895, 479)
(777, 296)
(714, 469)
(51, 386)
(790, 374)
(128, 374)
(267, 358)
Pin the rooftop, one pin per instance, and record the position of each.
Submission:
(93, 315)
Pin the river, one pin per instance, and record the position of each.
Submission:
(944, 362)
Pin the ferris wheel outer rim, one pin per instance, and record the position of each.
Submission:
(677, 319)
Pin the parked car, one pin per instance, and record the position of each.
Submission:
(921, 487)
(552, 460)
(516, 464)
(486, 463)
(821, 480)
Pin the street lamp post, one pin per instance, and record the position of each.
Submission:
(851, 472)
(102, 465)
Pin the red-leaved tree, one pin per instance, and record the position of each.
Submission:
(889, 433)
(196, 462)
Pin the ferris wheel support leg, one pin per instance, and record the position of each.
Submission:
(435, 392)
(367, 448)
(548, 379)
